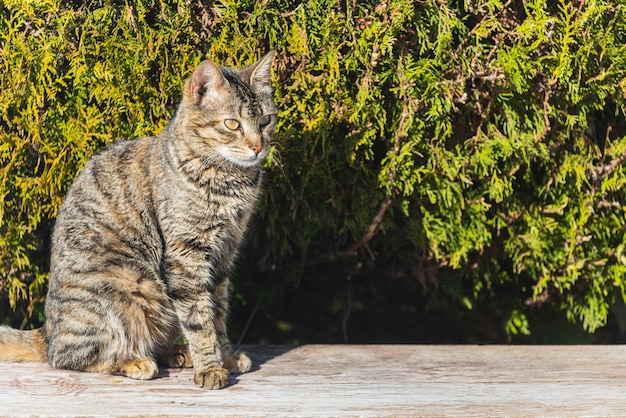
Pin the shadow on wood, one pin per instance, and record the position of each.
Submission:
(259, 355)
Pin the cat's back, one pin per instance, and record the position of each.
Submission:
(109, 210)
(119, 168)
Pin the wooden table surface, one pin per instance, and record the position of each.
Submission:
(337, 380)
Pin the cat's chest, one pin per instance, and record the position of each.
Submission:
(215, 213)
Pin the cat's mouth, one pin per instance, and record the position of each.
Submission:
(245, 158)
(258, 158)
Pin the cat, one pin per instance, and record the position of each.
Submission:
(145, 240)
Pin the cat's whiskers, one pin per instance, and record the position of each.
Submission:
(277, 158)
(276, 154)
(231, 167)
(217, 164)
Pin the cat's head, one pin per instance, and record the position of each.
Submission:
(231, 112)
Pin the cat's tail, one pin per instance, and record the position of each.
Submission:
(22, 346)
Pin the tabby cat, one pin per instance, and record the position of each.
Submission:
(146, 238)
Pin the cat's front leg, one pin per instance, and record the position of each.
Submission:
(204, 346)
(197, 321)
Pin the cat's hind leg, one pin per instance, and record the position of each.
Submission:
(234, 361)
(143, 368)
(176, 356)
(238, 362)
(109, 322)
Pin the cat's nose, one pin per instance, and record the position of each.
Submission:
(256, 147)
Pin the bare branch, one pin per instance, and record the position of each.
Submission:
(377, 220)
(606, 170)
(351, 251)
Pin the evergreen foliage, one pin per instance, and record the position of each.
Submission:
(469, 153)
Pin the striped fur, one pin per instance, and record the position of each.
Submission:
(146, 238)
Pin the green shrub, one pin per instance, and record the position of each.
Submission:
(469, 153)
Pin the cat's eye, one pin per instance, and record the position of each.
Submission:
(264, 121)
(232, 124)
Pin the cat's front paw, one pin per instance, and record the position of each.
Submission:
(238, 363)
(212, 378)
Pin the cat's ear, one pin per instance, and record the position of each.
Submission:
(260, 77)
(207, 82)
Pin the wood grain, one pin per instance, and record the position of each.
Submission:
(334, 380)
